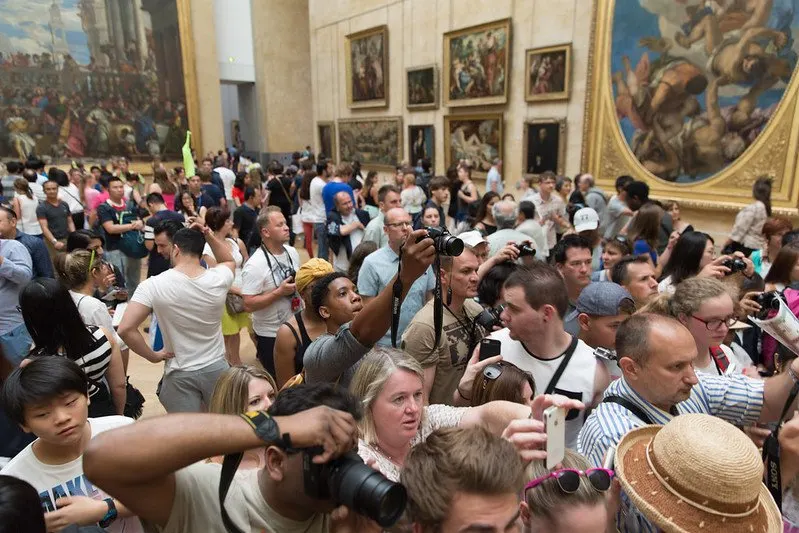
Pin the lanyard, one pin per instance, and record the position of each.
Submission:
(283, 268)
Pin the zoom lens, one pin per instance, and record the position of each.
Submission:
(366, 491)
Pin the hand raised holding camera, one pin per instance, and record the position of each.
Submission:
(334, 431)
(418, 253)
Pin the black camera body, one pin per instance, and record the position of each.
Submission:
(525, 250)
(347, 480)
(769, 301)
(735, 265)
(444, 242)
(489, 317)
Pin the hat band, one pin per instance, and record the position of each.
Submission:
(680, 493)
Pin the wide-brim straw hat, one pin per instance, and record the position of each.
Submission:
(697, 474)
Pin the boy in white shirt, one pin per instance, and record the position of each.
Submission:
(49, 398)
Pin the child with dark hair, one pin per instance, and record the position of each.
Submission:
(19, 504)
(49, 398)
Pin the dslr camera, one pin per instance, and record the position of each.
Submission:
(525, 250)
(735, 265)
(444, 242)
(489, 317)
(769, 301)
(347, 480)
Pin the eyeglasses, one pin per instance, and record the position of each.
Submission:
(399, 225)
(569, 479)
(715, 324)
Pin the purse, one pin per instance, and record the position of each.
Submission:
(234, 304)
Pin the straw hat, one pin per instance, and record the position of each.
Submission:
(697, 474)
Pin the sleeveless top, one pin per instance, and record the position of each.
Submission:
(303, 341)
(29, 222)
(96, 359)
(237, 258)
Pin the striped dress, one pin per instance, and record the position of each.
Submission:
(96, 360)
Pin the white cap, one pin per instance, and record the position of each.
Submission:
(585, 219)
(472, 238)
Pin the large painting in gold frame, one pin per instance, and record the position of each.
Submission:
(607, 152)
(478, 138)
(366, 64)
(93, 79)
(376, 142)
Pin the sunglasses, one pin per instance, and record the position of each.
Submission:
(569, 479)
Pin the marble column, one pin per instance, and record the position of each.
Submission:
(141, 34)
(115, 29)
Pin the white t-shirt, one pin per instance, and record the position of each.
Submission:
(576, 382)
(95, 313)
(71, 195)
(736, 366)
(341, 262)
(314, 210)
(189, 314)
(38, 191)
(228, 179)
(55, 481)
(264, 274)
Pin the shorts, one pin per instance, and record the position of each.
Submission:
(232, 324)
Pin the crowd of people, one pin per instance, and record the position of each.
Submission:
(609, 309)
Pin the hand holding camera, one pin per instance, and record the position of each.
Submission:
(418, 253)
(716, 269)
(332, 433)
(287, 287)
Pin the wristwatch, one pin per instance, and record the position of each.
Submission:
(110, 516)
(266, 429)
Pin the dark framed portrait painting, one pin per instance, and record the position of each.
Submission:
(327, 139)
(367, 68)
(422, 144)
(477, 64)
(548, 73)
(476, 138)
(422, 87)
(544, 146)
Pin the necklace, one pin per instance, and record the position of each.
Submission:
(387, 456)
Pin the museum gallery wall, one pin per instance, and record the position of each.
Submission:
(90, 79)
(436, 80)
(694, 99)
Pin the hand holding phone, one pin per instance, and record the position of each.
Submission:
(489, 348)
(555, 424)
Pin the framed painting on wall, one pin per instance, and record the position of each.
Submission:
(376, 142)
(544, 146)
(367, 68)
(547, 73)
(475, 138)
(422, 144)
(477, 64)
(698, 104)
(422, 87)
(125, 86)
(327, 139)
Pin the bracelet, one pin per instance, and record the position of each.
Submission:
(462, 396)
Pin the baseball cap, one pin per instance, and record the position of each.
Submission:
(472, 238)
(605, 298)
(585, 219)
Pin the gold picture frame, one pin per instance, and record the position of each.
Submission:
(533, 144)
(466, 85)
(374, 141)
(190, 74)
(489, 131)
(421, 87)
(327, 139)
(371, 88)
(557, 84)
(606, 153)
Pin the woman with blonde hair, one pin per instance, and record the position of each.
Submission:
(240, 389)
(706, 306)
(389, 384)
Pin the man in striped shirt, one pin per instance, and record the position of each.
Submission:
(656, 355)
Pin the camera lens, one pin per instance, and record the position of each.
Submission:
(366, 491)
(449, 245)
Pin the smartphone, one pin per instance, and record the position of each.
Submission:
(555, 424)
(610, 458)
(489, 348)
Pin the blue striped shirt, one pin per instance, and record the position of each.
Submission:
(736, 399)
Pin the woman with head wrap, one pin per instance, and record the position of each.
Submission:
(294, 336)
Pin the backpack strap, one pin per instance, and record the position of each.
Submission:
(630, 406)
(720, 359)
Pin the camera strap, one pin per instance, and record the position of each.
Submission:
(438, 304)
(567, 356)
(229, 467)
(771, 452)
(396, 301)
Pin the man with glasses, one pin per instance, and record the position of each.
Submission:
(380, 267)
(549, 208)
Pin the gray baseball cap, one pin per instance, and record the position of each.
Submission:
(605, 298)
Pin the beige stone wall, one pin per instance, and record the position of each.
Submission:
(416, 29)
(209, 95)
(281, 42)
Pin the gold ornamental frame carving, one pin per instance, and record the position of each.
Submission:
(606, 154)
(190, 74)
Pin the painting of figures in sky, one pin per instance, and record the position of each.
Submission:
(696, 81)
(91, 78)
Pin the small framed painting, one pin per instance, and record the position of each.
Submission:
(422, 87)
(544, 146)
(547, 73)
(422, 144)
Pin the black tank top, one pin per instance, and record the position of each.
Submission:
(303, 341)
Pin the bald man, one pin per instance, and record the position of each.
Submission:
(380, 267)
(345, 226)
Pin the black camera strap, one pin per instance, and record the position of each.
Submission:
(396, 302)
(438, 304)
(567, 356)
(229, 467)
(771, 452)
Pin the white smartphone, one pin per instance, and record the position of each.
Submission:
(555, 423)
(610, 458)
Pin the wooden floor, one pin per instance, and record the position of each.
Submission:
(145, 375)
